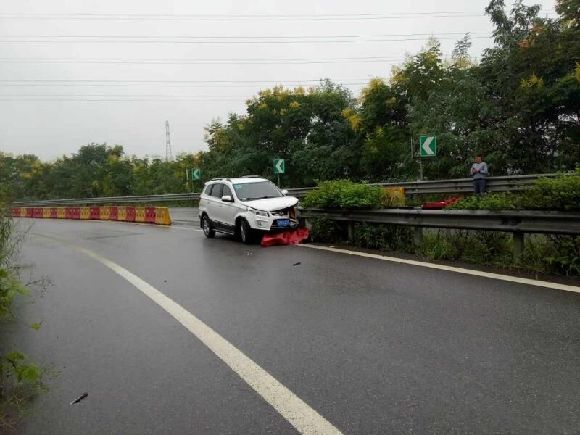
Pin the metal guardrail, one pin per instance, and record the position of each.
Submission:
(459, 185)
(522, 221)
(170, 197)
(517, 222)
(465, 185)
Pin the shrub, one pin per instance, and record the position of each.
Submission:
(481, 247)
(20, 379)
(552, 254)
(384, 237)
(344, 194)
(393, 197)
(559, 193)
(326, 231)
(491, 201)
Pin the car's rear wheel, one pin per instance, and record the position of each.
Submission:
(207, 227)
(245, 232)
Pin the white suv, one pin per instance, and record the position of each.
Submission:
(245, 207)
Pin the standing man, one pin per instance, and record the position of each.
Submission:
(479, 173)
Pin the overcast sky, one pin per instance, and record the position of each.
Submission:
(74, 72)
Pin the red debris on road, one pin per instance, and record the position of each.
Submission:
(293, 237)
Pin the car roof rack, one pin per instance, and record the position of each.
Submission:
(251, 176)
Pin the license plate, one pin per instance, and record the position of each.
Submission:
(283, 222)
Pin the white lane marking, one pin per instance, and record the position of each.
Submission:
(298, 413)
(537, 283)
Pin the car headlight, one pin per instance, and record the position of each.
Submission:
(261, 213)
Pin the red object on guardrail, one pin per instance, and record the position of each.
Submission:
(438, 205)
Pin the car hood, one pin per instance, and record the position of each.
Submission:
(271, 204)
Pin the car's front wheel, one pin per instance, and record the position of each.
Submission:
(245, 232)
(207, 227)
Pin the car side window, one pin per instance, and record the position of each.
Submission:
(227, 191)
(207, 189)
(216, 191)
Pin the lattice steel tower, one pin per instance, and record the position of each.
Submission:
(168, 152)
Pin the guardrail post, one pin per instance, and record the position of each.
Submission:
(350, 231)
(518, 245)
(418, 236)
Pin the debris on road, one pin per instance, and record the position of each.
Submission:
(298, 263)
(82, 397)
(286, 238)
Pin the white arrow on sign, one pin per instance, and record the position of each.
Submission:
(426, 146)
(280, 166)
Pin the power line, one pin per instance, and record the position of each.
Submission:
(231, 17)
(310, 81)
(59, 39)
(36, 100)
(208, 85)
(231, 61)
(237, 37)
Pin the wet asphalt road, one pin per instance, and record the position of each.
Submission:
(374, 347)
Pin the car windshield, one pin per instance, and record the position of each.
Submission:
(260, 190)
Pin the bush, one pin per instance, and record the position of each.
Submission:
(384, 237)
(491, 201)
(20, 379)
(553, 254)
(480, 247)
(559, 193)
(344, 194)
(326, 231)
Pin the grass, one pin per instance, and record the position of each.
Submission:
(20, 378)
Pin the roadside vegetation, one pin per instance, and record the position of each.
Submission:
(20, 379)
(518, 105)
(545, 254)
(550, 254)
(561, 193)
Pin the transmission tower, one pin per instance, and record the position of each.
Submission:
(168, 152)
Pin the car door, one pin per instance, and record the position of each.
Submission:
(214, 203)
(229, 209)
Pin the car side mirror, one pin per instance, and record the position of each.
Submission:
(284, 192)
(227, 198)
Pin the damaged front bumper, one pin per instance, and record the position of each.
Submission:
(277, 221)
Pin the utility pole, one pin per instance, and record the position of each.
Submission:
(168, 152)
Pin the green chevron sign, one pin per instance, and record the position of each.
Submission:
(279, 166)
(196, 174)
(428, 146)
